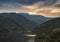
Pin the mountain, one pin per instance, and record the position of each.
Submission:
(36, 18)
(9, 24)
(11, 31)
(21, 20)
(47, 26)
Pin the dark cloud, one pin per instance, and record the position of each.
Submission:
(9, 6)
(29, 1)
(16, 3)
(20, 1)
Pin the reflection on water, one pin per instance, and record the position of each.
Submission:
(31, 37)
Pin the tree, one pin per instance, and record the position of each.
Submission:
(52, 36)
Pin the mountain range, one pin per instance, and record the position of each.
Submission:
(20, 24)
(21, 20)
(27, 21)
(36, 18)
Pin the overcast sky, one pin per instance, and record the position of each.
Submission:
(47, 8)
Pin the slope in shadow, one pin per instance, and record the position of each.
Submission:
(47, 26)
(10, 31)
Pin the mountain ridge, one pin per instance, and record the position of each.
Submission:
(36, 18)
(47, 26)
(21, 20)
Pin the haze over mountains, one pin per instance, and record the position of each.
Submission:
(36, 18)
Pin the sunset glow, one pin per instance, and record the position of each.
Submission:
(45, 11)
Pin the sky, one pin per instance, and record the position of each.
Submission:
(47, 8)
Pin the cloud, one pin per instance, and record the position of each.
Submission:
(9, 7)
(47, 8)
(50, 11)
